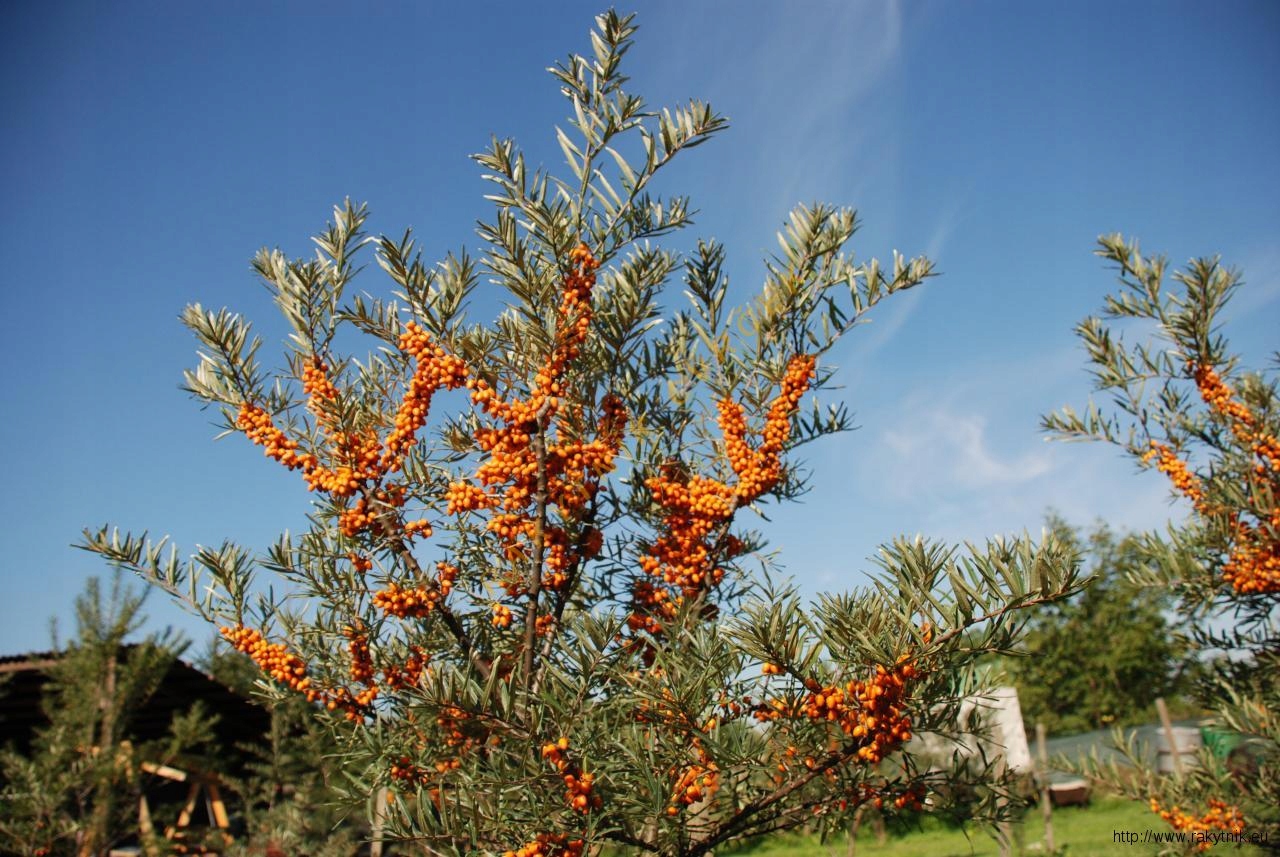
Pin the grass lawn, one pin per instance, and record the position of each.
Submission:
(1085, 831)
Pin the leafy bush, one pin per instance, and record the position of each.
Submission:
(539, 621)
(1183, 405)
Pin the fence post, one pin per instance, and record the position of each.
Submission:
(1163, 710)
(1046, 799)
(379, 817)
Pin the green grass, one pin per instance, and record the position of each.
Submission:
(1084, 831)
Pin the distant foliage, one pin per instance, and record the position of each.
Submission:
(287, 800)
(532, 597)
(76, 790)
(1100, 659)
(1182, 404)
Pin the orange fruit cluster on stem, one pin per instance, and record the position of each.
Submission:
(696, 783)
(408, 674)
(1244, 425)
(358, 459)
(873, 712)
(284, 666)
(501, 616)
(1253, 562)
(507, 480)
(1220, 816)
(549, 845)
(578, 785)
(274, 659)
(1253, 566)
(1253, 557)
(696, 510)
(420, 600)
(409, 774)
(760, 469)
(434, 370)
(1168, 463)
(257, 425)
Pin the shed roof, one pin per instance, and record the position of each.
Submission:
(23, 678)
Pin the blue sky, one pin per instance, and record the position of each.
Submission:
(154, 147)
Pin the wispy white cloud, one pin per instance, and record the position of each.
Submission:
(951, 447)
(959, 459)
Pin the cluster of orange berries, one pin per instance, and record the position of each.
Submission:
(1253, 567)
(408, 674)
(420, 529)
(361, 458)
(1168, 463)
(257, 425)
(696, 783)
(1220, 816)
(434, 369)
(651, 606)
(359, 452)
(549, 845)
(284, 666)
(760, 469)
(318, 388)
(274, 659)
(578, 785)
(409, 774)
(508, 478)
(912, 798)
(1253, 561)
(280, 664)
(420, 600)
(361, 662)
(1219, 396)
(357, 518)
(451, 720)
(501, 616)
(697, 509)
(693, 511)
(406, 603)
(872, 712)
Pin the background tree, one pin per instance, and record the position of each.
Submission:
(1183, 404)
(76, 790)
(1101, 658)
(542, 620)
(287, 795)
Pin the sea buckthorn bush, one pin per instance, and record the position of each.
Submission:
(530, 600)
(1183, 405)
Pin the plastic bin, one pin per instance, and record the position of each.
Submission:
(1220, 740)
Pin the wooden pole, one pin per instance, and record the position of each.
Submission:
(1163, 711)
(146, 829)
(379, 818)
(1046, 799)
(1004, 830)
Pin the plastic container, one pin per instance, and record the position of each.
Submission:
(1188, 745)
(1220, 740)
